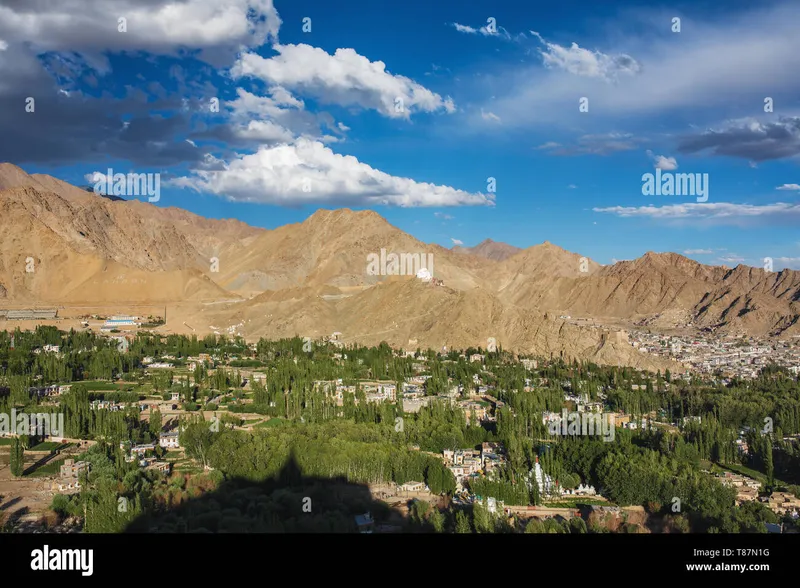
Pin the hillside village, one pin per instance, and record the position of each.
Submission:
(730, 356)
(220, 388)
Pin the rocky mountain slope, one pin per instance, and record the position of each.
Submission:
(63, 245)
(490, 250)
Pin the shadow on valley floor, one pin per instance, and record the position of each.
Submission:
(288, 503)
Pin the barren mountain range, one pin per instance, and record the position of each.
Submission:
(490, 250)
(65, 247)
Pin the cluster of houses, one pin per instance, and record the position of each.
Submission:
(708, 353)
(467, 463)
(48, 349)
(69, 476)
(53, 390)
(746, 488)
(782, 503)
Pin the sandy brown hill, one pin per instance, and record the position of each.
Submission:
(490, 250)
(59, 242)
(311, 278)
(331, 249)
(434, 316)
(740, 300)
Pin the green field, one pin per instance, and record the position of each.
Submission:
(50, 469)
(100, 385)
(270, 423)
(50, 446)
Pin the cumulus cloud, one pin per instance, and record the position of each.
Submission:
(309, 172)
(788, 187)
(748, 139)
(344, 78)
(52, 47)
(456, 242)
(90, 27)
(585, 63)
(489, 116)
(698, 252)
(663, 163)
(277, 118)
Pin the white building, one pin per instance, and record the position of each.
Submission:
(547, 487)
(169, 440)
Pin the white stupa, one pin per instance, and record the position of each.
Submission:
(424, 275)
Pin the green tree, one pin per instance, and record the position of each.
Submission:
(577, 525)
(197, 438)
(768, 464)
(535, 526)
(436, 519)
(481, 519)
(17, 463)
(155, 423)
(462, 522)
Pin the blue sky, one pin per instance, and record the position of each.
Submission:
(409, 108)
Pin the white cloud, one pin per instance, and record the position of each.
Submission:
(3, 45)
(663, 163)
(731, 259)
(342, 127)
(456, 242)
(265, 132)
(720, 212)
(602, 144)
(278, 118)
(442, 215)
(582, 62)
(572, 186)
(158, 26)
(464, 28)
(789, 262)
(192, 143)
(309, 172)
(344, 78)
(739, 53)
(698, 252)
(789, 187)
(484, 30)
(489, 116)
